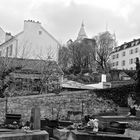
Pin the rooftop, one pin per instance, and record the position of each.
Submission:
(126, 45)
(82, 33)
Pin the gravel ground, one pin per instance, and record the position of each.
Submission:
(135, 135)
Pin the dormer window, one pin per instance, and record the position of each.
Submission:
(125, 46)
(118, 48)
(137, 42)
(132, 44)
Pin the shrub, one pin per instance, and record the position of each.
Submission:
(134, 125)
(118, 94)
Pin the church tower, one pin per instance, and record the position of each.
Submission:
(82, 33)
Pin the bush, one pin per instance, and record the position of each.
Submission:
(134, 125)
(118, 94)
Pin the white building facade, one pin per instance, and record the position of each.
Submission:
(124, 56)
(34, 42)
(2, 36)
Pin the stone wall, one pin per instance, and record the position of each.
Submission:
(56, 105)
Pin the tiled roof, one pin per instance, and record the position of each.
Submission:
(126, 45)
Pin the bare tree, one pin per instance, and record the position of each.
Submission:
(81, 54)
(105, 43)
(50, 72)
(64, 58)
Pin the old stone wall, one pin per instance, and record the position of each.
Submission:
(56, 105)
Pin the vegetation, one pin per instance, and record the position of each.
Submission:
(134, 125)
(105, 44)
(118, 95)
(87, 56)
(77, 56)
(6, 67)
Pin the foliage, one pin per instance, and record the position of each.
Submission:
(105, 43)
(134, 125)
(119, 94)
(64, 58)
(77, 56)
(82, 54)
(6, 67)
(49, 77)
(137, 89)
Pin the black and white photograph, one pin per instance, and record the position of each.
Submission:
(69, 70)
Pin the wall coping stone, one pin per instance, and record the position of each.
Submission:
(46, 95)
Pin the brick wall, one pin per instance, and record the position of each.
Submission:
(53, 105)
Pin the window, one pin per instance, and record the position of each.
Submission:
(117, 63)
(125, 46)
(117, 56)
(7, 51)
(0, 53)
(132, 44)
(123, 63)
(130, 61)
(113, 57)
(123, 54)
(40, 32)
(136, 50)
(137, 42)
(10, 50)
(135, 60)
(131, 51)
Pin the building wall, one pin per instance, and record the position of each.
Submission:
(129, 58)
(33, 43)
(9, 48)
(2, 36)
(50, 104)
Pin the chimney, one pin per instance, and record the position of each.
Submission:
(31, 24)
(8, 36)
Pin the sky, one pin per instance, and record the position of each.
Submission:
(63, 18)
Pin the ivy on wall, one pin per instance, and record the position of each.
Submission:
(118, 94)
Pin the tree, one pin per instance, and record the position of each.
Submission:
(50, 76)
(105, 43)
(7, 66)
(137, 88)
(64, 58)
(81, 54)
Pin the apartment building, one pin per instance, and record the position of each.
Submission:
(124, 56)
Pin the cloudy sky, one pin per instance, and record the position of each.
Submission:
(62, 18)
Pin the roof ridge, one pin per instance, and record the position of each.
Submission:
(50, 35)
(13, 37)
